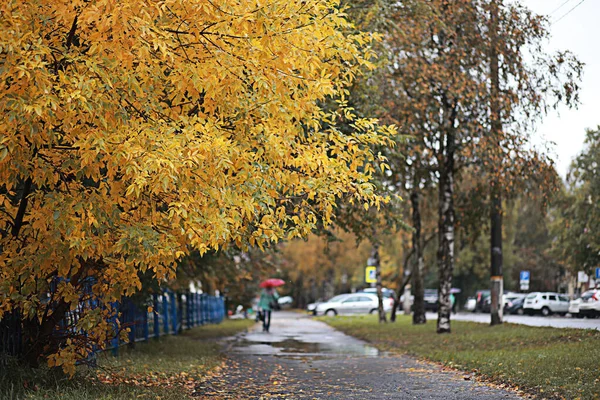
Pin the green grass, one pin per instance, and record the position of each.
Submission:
(165, 369)
(553, 363)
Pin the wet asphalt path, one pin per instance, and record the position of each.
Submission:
(306, 359)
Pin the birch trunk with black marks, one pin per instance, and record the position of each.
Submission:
(377, 264)
(445, 253)
(417, 270)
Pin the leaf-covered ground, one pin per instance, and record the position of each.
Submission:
(166, 369)
(547, 362)
(305, 359)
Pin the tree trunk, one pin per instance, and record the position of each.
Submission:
(39, 338)
(377, 264)
(417, 270)
(496, 194)
(397, 297)
(395, 307)
(445, 254)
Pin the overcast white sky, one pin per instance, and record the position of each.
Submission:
(579, 31)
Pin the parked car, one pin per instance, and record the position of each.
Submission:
(546, 303)
(513, 302)
(430, 299)
(574, 308)
(484, 304)
(470, 304)
(285, 302)
(509, 297)
(480, 305)
(389, 293)
(355, 303)
(515, 306)
(312, 307)
(590, 304)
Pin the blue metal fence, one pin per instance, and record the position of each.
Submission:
(10, 335)
(167, 313)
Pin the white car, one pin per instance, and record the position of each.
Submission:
(285, 302)
(590, 304)
(354, 303)
(312, 307)
(574, 308)
(545, 303)
(470, 304)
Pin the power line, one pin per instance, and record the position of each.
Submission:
(569, 12)
(559, 7)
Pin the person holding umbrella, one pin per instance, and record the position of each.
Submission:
(268, 300)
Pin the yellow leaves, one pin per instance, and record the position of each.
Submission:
(163, 136)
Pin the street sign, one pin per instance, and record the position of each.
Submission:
(582, 277)
(524, 278)
(597, 273)
(371, 275)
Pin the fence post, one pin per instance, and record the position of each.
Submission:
(173, 305)
(133, 324)
(180, 313)
(115, 341)
(146, 329)
(165, 313)
(223, 312)
(189, 300)
(155, 315)
(202, 309)
(198, 310)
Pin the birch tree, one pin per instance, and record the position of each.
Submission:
(441, 92)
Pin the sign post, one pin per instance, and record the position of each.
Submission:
(371, 274)
(524, 278)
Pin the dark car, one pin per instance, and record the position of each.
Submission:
(482, 298)
(515, 306)
(431, 300)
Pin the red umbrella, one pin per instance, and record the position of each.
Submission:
(273, 282)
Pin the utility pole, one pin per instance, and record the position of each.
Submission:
(374, 261)
(497, 280)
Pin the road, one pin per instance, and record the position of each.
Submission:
(552, 321)
(306, 359)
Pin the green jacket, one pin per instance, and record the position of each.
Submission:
(266, 298)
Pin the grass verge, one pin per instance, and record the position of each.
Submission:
(166, 369)
(549, 362)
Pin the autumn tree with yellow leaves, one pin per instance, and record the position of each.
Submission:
(134, 131)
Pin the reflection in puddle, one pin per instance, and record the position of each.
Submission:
(292, 348)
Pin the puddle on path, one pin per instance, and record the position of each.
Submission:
(293, 348)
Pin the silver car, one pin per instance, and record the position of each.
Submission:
(355, 303)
